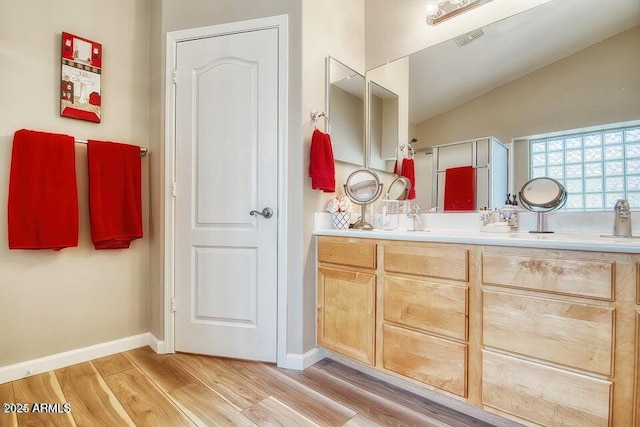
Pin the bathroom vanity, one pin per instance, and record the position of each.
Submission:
(540, 329)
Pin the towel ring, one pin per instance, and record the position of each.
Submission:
(406, 151)
(316, 114)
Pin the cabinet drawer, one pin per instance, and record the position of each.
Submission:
(542, 394)
(431, 307)
(354, 254)
(588, 278)
(572, 334)
(435, 361)
(428, 261)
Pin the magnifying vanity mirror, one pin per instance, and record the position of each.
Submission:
(398, 189)
(542, 195)
(345, 106)
(363, 187)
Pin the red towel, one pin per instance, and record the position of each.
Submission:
(115, 199)
(408, 171)
(460, 189)
(42, 211)
(321, 165)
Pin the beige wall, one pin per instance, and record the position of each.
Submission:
(397, 29)
(598, 85)
(52, 302)
(331, 28)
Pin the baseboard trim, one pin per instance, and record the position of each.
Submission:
(60, 360)
(300, 362)
(156, 345)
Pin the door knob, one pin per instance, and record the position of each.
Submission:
(266, 212)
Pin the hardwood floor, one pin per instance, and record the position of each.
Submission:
(141, 388)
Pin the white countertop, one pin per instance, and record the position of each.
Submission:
(573, 240)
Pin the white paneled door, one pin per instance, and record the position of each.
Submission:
(226, 129)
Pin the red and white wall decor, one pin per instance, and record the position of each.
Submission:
(81, 75)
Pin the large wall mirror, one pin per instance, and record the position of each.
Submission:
(382, 126)
(561, 78)
(345, 107)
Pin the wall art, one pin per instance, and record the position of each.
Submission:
(81, 76)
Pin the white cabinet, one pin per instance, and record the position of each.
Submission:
(488, 157)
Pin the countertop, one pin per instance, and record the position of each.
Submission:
(574, 232)
(560, 240)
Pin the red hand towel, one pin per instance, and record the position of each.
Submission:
(408, 171)
(115, 199)
(321, 165)
(42, 210)
(460, 189)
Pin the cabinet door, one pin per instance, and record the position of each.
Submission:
(346, 312)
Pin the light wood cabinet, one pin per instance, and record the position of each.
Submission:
(347, 252)
(552, 318)
(560, 274)
(544, 394)
(436, 361)
(436, 308)
(568, 333)
(347, 297)
(425, 306)
(346, 313)
(437, 261)
(539, 336)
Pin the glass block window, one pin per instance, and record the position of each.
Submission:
(597, 168)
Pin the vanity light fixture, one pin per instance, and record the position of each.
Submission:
(440, 10)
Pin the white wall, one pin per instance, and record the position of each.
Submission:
(52, 302)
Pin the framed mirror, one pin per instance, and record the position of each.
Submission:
(345, 106)
(502, 81)
(383, 120)
(363, 187)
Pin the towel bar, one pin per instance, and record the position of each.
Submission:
(475, 167)
(143, 150)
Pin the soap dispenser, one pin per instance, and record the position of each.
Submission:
(622, 221)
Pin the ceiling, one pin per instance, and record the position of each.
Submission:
(445, 76)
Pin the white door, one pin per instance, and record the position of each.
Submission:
(226, 166)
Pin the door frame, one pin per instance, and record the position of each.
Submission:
(279, 22)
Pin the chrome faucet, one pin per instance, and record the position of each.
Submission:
(622, 222)
(416, 216)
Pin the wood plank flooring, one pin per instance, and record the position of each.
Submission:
(141, 388)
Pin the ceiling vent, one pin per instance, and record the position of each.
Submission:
(469, 37)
